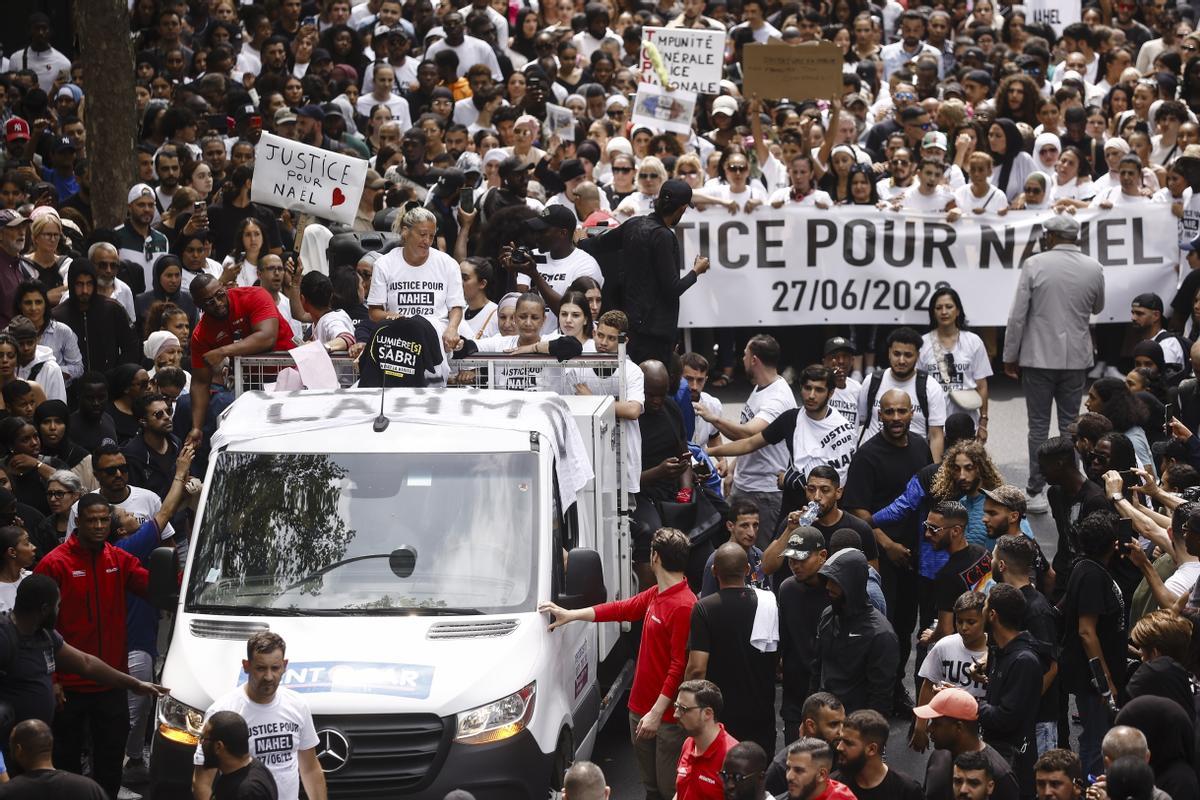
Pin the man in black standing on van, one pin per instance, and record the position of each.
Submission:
(653, 257)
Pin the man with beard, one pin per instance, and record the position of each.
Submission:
(802, 599)
(30, 751)
(695, 372)
(698, 707)
(953, 716)
(824, 487)
(965, 471)
(91, 424)
(839, 357)
(100, 325)
(107, 261)
(514, 182)
(1146, 317)
(1072, 497)
(151, 456)
(860, 760)
(823, 715)
(1008, 714)
(1003, 514)
(168, 170)
(267, 709)
(973, 777)
(967, 569)
(310, 127)
(225, 742)
(808, 764)
(857, 654)
(136, 241)
(29, 642)
(744, 772)
(12, 244)
(1013, 563)
(929, 401)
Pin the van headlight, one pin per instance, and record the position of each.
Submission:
(179, 722)
(493, 722)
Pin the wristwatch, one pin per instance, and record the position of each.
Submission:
(1116, 497)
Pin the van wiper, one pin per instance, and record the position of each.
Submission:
(245, 611)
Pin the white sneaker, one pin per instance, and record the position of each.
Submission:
(128, 794)
(1098, 370)
(1113, 372)
(1037, 503)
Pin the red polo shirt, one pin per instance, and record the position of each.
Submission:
(662, 654)
(696, 776)
(248, 306)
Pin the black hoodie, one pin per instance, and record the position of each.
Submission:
(1008, 714)
(105, 333)
(857, 650)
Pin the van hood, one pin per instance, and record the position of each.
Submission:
(440, 665)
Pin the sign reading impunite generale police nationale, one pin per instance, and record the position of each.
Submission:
(858, 264)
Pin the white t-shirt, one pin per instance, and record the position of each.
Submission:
(1172, 351)
(332, 325)
(485, 322)
(560, 273)
(472, 51)
(631, 433)
(845, 401)
(142, 504)
(830, 441)
(992, 202)
(705, 430)
(395, 103)
(1182, 580)
(523, 378)
(279, 730)
(920, 426)
(8, 591)
(753, 191)
(1115, 197)
(428, 290)
(947, 661)
(971, 364)
(914, 200)
(784, 195)
(887, 190)
(759, 471)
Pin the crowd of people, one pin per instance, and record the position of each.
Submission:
(864, 523)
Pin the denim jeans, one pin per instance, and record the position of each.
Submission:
(1096, 722)
(141, 666)
(1047, 736)
(1062, 388)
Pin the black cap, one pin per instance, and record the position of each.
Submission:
(571, 169)
(554, 216)
(838, 343)
(1148, 300)
(64, 143)
(673, 195)
(312, 111)
(450, 180)
(979, 76)
(513, 164)
(319, 54)
(332, 110)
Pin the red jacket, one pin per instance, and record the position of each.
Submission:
(662, 655)
(92, 615)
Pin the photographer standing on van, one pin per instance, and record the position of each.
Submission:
(269, 709)
(666, 610)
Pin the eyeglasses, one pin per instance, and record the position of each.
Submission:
(57, 494)
(737, 167)
(728, 776)
(900, 162)
(113, 470)
(682, 709)
(622, 170)
(647, 176)
(219, 296)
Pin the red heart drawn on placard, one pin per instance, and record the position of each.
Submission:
(338, 197)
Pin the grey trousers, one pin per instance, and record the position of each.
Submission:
(658, 758)
(1062, 388)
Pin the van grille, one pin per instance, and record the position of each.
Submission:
(389, 753)
(472, 630)
(226, 629)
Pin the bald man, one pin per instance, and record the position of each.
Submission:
(1124, 741)
(723, 650)
(587, 199)
(30, 746)
(879, 472)
(585, 781)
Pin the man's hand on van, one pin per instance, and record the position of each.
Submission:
(562, 616)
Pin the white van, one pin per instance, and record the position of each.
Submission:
(404, 567)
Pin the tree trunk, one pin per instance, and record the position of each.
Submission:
(106, 53)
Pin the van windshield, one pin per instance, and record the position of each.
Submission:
(287, 534)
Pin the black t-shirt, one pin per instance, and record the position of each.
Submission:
(1181, 306)
(400, 353)
(800, 609)
(869, 548)
(27, 667)
(721, 626)
(965, 570)
(44, 783)
(251, 782)
(1091, 590)
(1066, 511)
(1042, 622)
(878, 474)
(894, 786)
(662, 437)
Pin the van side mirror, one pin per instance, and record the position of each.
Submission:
(164, 582)
(583, 584)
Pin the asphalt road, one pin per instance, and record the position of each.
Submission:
(1007, 447)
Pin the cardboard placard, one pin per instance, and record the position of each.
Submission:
(1056, 14)
(288, 174)
(559, 122)
(801, 72)
(692, 57)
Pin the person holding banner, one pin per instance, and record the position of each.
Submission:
(1048, 345)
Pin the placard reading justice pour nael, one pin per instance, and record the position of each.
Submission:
(307, 179)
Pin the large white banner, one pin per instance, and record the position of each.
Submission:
(857, 264)
(307, 179)
(1054, 13)
(692, 57)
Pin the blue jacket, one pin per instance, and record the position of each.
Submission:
(141, 618)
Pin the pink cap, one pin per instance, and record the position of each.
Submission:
(952, 703)
(599, 219)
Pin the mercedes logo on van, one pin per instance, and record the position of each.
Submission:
(333, 750)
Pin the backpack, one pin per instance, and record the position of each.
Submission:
(873, 390)
(1174, 375)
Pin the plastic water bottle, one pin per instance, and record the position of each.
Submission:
(809, 514)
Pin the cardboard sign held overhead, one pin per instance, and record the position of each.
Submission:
(693, 58)
(801, 72)
(288, 174)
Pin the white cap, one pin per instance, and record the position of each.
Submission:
(619, 144)
(139, 190)
(725, 105)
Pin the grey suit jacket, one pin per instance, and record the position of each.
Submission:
(1058, 292)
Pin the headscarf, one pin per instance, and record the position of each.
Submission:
(1014, 143)
(1043, 139)
(1168, 731)
(67, 450)
(508, 301)
(157, 341)
(313, 245)
(1152, 350)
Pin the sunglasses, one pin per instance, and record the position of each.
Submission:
(1033, 190)
(736, 778)
(162, 413)
(685, 173)
(217, 297)
(647, 176)
(113, 470)
(905, 96)
(737, 167)
(622, 170)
